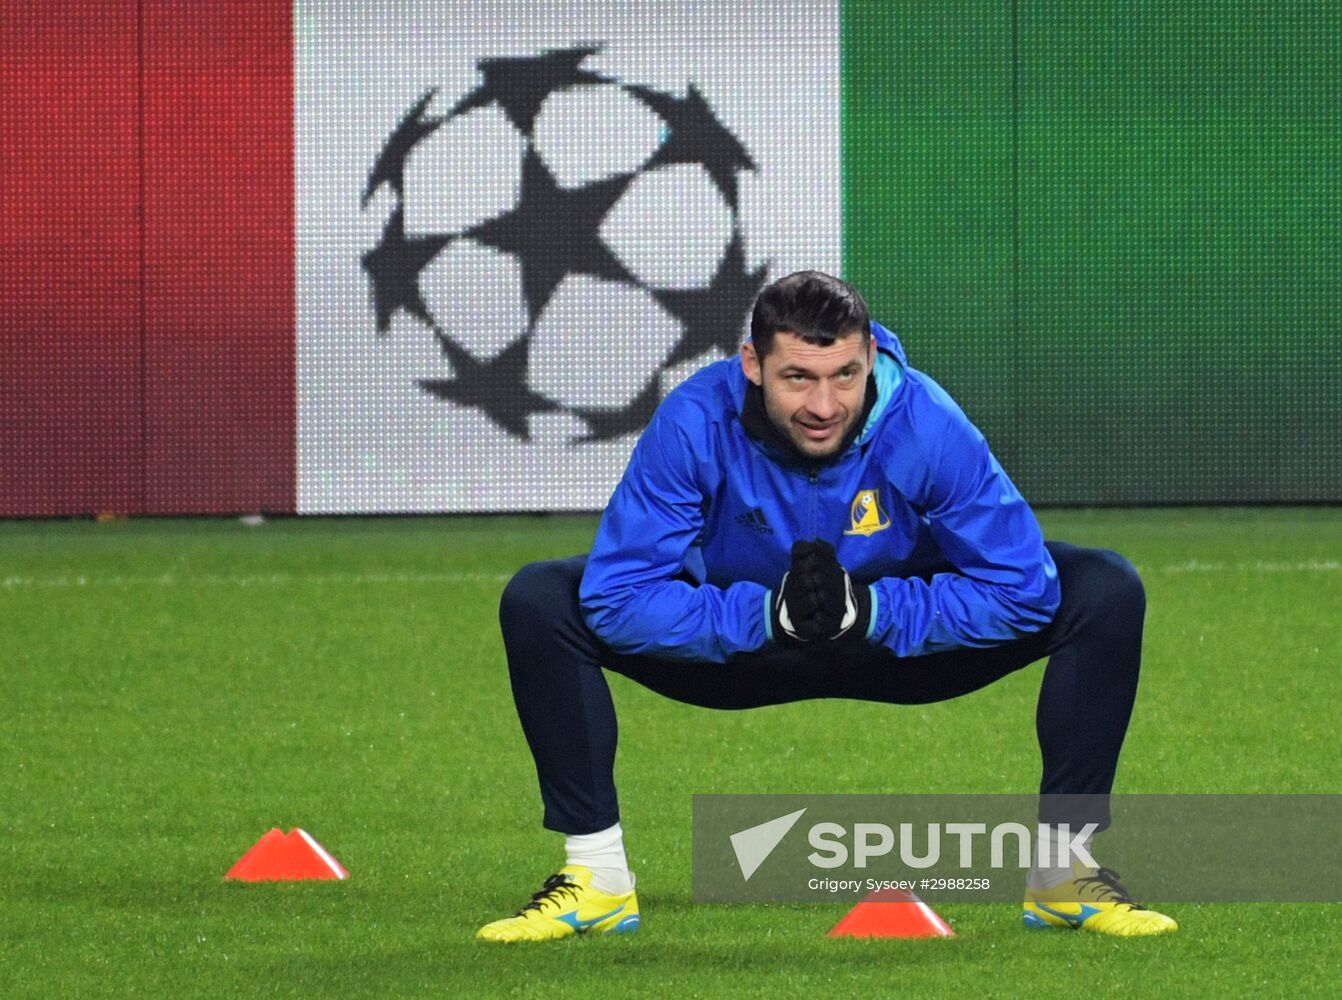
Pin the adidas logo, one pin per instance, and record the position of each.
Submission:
(755, 521)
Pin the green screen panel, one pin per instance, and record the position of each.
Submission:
(928, 210)
(1179, 271)
(1147, 311)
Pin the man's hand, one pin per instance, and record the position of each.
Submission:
(817, 599)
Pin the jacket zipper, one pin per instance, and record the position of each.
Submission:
(813, 479)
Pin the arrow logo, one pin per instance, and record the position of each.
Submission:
(754, 845)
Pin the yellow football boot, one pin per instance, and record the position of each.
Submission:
(1094, 900)
(567, 905)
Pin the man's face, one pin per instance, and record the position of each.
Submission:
(812, 394)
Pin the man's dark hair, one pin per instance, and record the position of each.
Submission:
(817, 307)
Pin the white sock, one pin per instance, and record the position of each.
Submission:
(1052, 874)
(602, 852)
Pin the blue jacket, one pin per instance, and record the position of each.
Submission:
(700, 528)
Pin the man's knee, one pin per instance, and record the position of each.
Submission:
(538, 593)
(1102, 582)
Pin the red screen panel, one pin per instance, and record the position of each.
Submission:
(70, 358)
(219, 252)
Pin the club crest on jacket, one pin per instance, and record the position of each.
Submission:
(867, 516)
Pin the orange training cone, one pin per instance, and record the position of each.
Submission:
(891, 913)
(286, 857)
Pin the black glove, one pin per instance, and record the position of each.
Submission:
(817, 599)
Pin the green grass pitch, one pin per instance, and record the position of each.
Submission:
(172, 689)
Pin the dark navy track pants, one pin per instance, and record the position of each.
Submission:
(555, 666)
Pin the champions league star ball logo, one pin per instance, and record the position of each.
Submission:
(572, 241)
